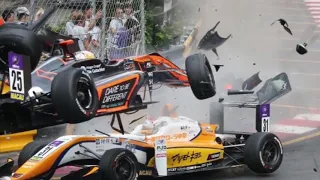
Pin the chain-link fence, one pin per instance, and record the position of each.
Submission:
(108, 28)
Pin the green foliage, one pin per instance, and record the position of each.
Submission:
(164, 36)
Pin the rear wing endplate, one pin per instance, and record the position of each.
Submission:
(273, 89)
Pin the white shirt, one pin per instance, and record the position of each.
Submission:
(95, 34)
(112, 38)
(69, 28)
(80, 33)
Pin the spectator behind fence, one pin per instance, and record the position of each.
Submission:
(95, 34)
(129, 14)
(79, 32)
(23, 15)
(90, 19)
(114, 26)
(70, 24)
(39, 13)
(8, 16)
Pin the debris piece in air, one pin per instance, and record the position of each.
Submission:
(217, 67)
(284, 24)
(199, 10)
(251, 82)
(212, 40)
(315, 170)
(302, 47)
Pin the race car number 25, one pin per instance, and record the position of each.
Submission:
(16, 81)
(265, 124)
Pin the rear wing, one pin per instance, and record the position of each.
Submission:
(259, 102)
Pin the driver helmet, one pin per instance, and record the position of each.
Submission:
(169, 110)
(84, 55)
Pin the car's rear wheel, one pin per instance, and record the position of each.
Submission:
(263, 152)
(74, 95)
(200, 76)
(119, 164)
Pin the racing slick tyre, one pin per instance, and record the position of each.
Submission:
(119, 164)
(74, 96)
(19, 39)
(263, 152)
(200, 76)
(29, 150)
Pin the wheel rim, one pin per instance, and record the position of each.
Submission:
(124, 168)
(270, 153)
(84, 94)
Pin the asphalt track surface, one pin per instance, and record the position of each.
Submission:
(255, 46)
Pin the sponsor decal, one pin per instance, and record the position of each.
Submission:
(161, 155)
(213, 156)
(185, 127)
(108, 140)
(145, 172)
(186, 157)
(209, 129)
(161, 148)
(168, 137)
(16, 175)
(116, 95)
(190, 168)
(56, 143)
(130, 147)
(96, 68)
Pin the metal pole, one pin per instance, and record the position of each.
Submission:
(94, 7)
(143, 28)
(103, 31)
(33, 6)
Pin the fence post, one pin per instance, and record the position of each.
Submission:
(104, 30)
(143, 27)
(33, 6)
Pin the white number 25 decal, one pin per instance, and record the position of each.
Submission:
(16, 81)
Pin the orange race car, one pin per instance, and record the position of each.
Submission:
(169, 145)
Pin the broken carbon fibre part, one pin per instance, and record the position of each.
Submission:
(212, 40)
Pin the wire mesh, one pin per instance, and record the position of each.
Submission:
(108, 28)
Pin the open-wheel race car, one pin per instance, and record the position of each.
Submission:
(73, 87)
(169, 145)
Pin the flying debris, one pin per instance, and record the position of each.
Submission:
(251, 82)
(217, 67)
(284, 24)
(212, 40)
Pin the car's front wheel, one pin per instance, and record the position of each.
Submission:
(74, 95)
(200, 76)
(119, 164)
(263, 152)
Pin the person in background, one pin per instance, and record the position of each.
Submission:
(70, 24)
(90, 19)
(79, 32)
(8, 16)
(129, 14)
(39, 13)
(23, 15)
(114, 26)
(95, 34)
